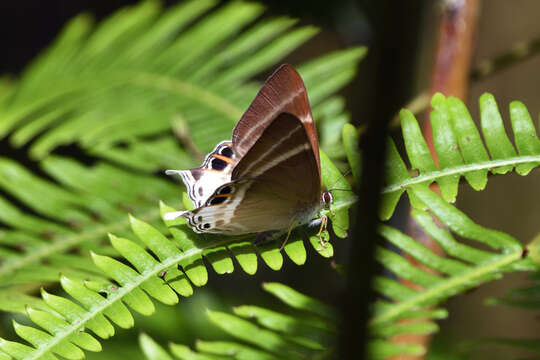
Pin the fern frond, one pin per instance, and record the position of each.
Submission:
(460, 150)
(78, 216)
(119, 90)
(262, 333)
(96, 191)
(161, 269)
(144, 67)
(409, 309)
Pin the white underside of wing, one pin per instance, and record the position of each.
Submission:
(208, 180)
(219, 218)
(200, 190)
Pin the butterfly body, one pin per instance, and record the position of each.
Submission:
(268, 176)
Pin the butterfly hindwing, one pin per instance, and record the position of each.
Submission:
(283, 92)
(266, 192)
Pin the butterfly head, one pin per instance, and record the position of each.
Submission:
(326, 199)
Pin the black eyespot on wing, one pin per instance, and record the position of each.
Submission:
(217, 200)
(226, 151)
(225, 190)
(218, 164)
(206, 226)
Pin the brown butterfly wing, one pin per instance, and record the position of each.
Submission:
(274, 186)
(286, 183)
(282, 160)
(276, 181)
(283, 92)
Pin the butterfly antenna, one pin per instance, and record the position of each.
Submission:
(338, 179)
(347, 172)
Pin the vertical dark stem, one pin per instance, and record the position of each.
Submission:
(389, 63)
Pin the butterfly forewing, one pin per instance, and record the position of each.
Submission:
(283, 92)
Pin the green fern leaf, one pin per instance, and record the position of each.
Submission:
(179, 260)
(404, 310)
(460, 150)
(124, 67)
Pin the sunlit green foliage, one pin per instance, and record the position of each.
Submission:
(460, 150)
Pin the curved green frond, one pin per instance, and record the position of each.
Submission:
(460, 150)
(405, 309)
(92, 206)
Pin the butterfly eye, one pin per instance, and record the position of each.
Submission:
(218, 164)
(226, 151)
(327, 198)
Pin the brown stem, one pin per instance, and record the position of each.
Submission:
(450, 76)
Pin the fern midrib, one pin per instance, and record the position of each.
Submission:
(454, 281)
(188, 89)
(70, 240)
(117, 296)
(462, 169)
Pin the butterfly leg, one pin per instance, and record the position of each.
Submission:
(324, 223)
(291, 226)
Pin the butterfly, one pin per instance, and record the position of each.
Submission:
(268, 177)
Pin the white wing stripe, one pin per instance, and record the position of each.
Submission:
(277, 107)
(272, 148)
(281, 158)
